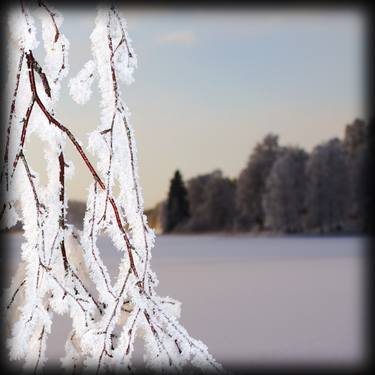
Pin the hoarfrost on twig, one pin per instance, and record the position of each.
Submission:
(61, 271)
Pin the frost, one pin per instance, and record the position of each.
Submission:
(80, 86)
(22, 28)
(61, 271)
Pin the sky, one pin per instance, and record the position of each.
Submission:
(212, 83)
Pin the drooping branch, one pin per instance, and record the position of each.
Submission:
(61, 260)
(41, 337)
(52, 15)
(119, 107)
(105, 333)
(5, 169)
(51, 119)
(40, 208)
(91, 235)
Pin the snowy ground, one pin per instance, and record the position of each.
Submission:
(259, 300)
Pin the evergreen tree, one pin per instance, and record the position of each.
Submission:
(177, 210)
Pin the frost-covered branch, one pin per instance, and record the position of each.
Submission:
(61, 269)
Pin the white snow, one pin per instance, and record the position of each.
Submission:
(261, 300)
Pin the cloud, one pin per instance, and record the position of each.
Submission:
(186, 38)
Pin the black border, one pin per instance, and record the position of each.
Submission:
(370, 177)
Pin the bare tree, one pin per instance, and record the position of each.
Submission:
(61, 271)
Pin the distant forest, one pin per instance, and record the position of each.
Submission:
(282, 189)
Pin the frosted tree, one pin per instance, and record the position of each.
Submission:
(211, 198)
(283, 199)
(61, 271)
(251, 183)
(327, 187)
(357, 150)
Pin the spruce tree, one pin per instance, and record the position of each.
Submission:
(177, 204)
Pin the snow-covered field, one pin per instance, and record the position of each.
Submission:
(257, 300)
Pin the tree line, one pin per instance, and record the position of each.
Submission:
(281, 189)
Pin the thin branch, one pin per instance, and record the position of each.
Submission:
(12, 111)
(131, 331)
(38, 205)
(23, 135)
(104, 350)
(157, 337)
(107, 283)
(57, 32)
(40, 349)
(15, 293)
(43, 78)
(30, 177)
(62, 213)
(119, 106)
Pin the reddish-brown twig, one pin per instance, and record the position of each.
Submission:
(62, 213)
(5, 169)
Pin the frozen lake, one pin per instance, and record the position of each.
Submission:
(257, 300)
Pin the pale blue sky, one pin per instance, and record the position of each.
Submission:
(210, 84)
